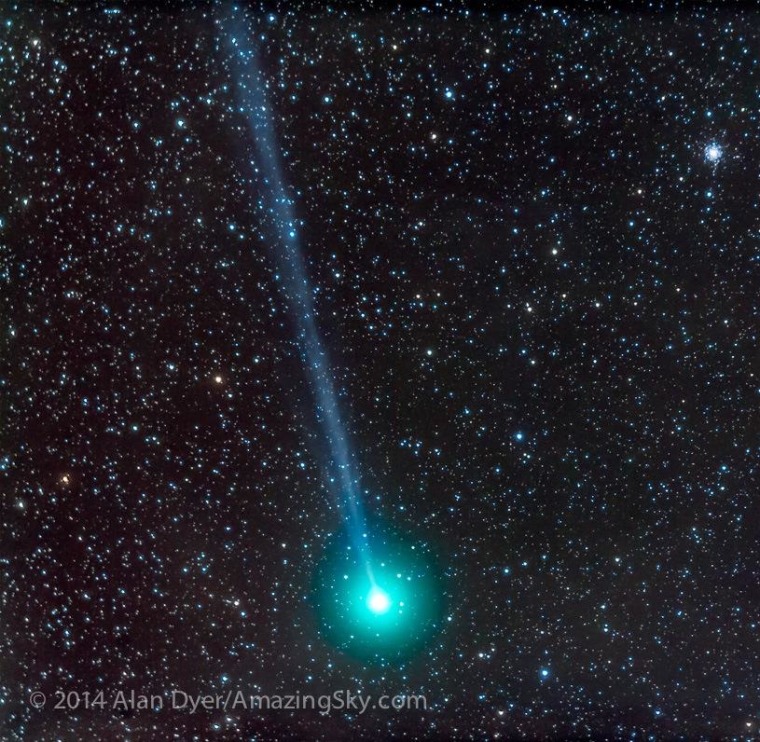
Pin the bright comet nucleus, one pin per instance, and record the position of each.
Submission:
(391, 611)
(378, 600)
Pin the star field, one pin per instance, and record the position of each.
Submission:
(531, 240)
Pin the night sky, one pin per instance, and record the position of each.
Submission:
(530, 241)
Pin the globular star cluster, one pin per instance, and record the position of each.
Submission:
(529, 245)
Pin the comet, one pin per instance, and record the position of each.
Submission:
(253, 103)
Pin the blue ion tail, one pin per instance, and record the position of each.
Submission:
(252, 102)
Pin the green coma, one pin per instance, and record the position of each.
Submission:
(390, 611)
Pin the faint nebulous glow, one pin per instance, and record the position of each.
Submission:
(252, 97)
